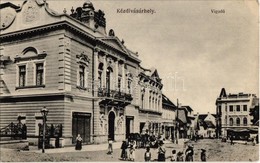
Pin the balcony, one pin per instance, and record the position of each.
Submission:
(114, 97)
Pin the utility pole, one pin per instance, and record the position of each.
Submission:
(177, 123)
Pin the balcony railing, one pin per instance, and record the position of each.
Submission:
(104, 92)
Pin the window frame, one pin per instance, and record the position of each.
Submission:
(238, 120)
(245, 108)
(85, 73)
(18, 65)
(238, 109)
(231, 108)
(231, 120)
(35, 72)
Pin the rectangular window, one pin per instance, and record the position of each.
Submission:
(22, 75)
(82, 76)
(238, 107)
(39, 73)
(245, 108)
(231, 108)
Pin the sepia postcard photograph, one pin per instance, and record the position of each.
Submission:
(129, 80)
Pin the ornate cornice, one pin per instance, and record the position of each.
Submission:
(46, 28)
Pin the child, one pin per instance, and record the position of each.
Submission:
(147, 155)
(203, 155)
(179, 156)
(173, 158)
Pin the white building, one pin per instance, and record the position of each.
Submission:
(233, 111)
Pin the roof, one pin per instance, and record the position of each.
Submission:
(182, 116)
(207, 124)
(168, 102)
(223, 93)
(202, 116)
(189, 109)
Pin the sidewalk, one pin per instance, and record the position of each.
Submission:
(91, 147)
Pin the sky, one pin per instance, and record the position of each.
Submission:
(195, 51)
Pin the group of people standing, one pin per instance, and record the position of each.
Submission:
(128, 150)
(189, 155)
(128, 153)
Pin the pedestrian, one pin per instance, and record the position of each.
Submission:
(173, 157)
(179, 156)
(78, 142)
(161, 151)
(189, 153)
(231, 140)
(110, 146)
(203, 155)
(147, 155)
(132, 152)
(124, 152)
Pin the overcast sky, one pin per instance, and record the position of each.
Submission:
(195, 51)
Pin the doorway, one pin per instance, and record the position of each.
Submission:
(111, 125)
(81, 125)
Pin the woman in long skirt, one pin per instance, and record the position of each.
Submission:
(78, 143)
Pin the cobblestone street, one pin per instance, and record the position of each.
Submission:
(216, 151)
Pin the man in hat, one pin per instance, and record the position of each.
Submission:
(203, 155)
(189, 153)
(161, 151)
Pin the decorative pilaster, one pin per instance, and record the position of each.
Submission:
(104, 71)
(116, 75)
(96, 70)
(123, 78)
(64, 64)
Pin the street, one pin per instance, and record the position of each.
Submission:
(216, 151)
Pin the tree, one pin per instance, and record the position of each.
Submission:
(255, 113)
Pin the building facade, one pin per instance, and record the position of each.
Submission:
(90, 82)
(150, 111)
(232, 112)
(207, 125)
(168, 118)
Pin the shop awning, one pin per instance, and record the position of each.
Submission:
(249, 130)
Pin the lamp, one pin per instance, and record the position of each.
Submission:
(44, 113)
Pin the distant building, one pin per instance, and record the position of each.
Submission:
(185, 121)
(207, 125)
(150, 111)
(168, 118)
(232, 112)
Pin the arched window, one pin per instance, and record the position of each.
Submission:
(245, 121)
(100, 71)
(238, 121)
(231, 121)
(108, 78)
